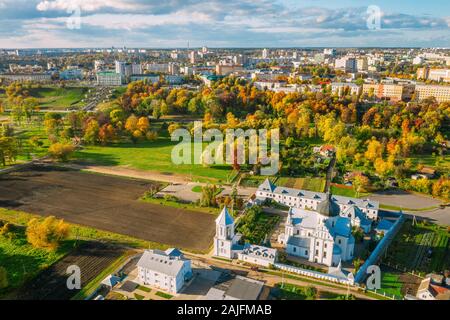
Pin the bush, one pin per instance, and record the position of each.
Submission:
(61, 151)
(47, 234)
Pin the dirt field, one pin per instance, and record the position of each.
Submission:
(51, 284)
(104, 202)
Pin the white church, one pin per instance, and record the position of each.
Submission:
(226, 244)
(319, 225)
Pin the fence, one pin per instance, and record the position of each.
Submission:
(379, 250)
(313, 274)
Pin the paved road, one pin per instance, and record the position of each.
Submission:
(330, 174)
(428, 206)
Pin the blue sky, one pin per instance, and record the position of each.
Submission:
(222, 23)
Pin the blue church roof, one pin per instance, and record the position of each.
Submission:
(225, 218)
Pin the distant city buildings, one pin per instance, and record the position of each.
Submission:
(347, 64)
(109, 78)
(21, 77)
(439, 75)
(441, 93)
(393, 92)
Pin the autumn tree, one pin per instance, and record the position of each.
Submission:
(143, 124)
(374, 150)
(61, 151)
(48, 233)
(361, 183)
(91, 132)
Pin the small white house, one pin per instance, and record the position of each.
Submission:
(166, 270)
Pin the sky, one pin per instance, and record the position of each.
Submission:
(224, 23)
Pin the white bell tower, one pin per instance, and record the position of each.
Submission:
(225, 238)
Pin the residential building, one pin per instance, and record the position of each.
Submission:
(109, 78)
(343, 88)
(71, 74)
(173, 79)
(148, 78)
(329, 52)
(99, 65)
(389, 91)
(166, 270)
(269, 85)
(347, 64)
(439, 75)
(224, 70)
(441, 93)
(429, 291)
(136, 68)
(362, 64)
(37, 77)
(157, 67)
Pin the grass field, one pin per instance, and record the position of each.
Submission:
(420, 248)
(312, 184)
(391, 284)
(55, 98)
(152, 156)
(22, 261)
(23, 134)
(254, 181)
(288, 291)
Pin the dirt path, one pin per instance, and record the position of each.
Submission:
(133, 173)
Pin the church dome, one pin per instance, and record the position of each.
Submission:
(328, 207)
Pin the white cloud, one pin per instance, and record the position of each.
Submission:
(87, 5)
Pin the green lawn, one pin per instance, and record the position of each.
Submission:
(153, 156)
(164, 295)
(391, 284)
(145, 289)
(254, 181)
(23, 134)
(22, 261)
(288, 291)
(430, 160)
(56, 98)
(138, 296)
(420, 248)
(175, 204)
(312, 184)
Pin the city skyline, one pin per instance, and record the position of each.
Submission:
(234, 24)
